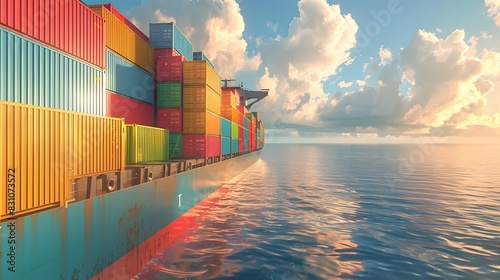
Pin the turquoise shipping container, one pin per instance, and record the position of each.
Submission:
(225, 127)
(245, 134)
(234, 146)
(202, 56)
(34, 74)
(168, 35)
(225, 146)
(245, 123)
(245, 145)
(128, 79)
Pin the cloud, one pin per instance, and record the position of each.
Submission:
(318, 43)
(493, 7)
(385, 55)
(361, 83)
(217, 29)
(344, 84)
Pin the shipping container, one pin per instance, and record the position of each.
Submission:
(199, 73)
(256, 115)
(202, 56)
(225, 145)
(230, 113)
(169, 118)
(234, 146)
(245, 123)
(33, 74)
(169, 95)
(168, 35)
(245, 145)
(201, 122)
(69, 26)
(175, 145)
(124, 41)
(133, 111)
(127, 79)
(167, 52)
(241, 145)
(45, 149)
(245, 134)
(242, 109)
(127, 22)
(201, 145)
(225, 127)
(234, 130)
(201, 98)
(229, 98)
(169, 68)
(241, 132)
(146, 144)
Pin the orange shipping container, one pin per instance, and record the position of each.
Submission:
(124, 41)
(201, 98)
(230, 113)
(230, 97)
(42, 150)
(199, 73)
(201, 122)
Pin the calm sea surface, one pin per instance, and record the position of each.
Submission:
(349, 212)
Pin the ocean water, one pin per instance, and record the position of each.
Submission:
(349, 212)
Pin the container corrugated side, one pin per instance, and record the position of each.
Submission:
(228, 97)
(169, 68)
(234, 130)
(201, 98)
(234, 146)
(241, 145)
(168, 95)
(175, 145)
(69, 26)
(127, 79)
(245, 134)
(127, 22)
(166, 52)
(245, 123)
(245, 146)
(33, 74)
(201, 122)
(169, 118)
(133, 111)
(225, 145)
(125, 42)
(225, 127)
(199, 73)
(146, 144)
(201, 145)
(168, 35)
(44, 149)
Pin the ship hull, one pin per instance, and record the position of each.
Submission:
(114, 235)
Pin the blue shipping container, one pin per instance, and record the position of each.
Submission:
(202, 56)
(245, 123)
(168, 35)
(225, 145)
(31, 73)
(245, 134)
(234, 146)
(245, 145)
(128, 79)
(225, 127)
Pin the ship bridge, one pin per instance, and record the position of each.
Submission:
(247, 97)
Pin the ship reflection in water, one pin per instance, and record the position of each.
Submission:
(336, 215)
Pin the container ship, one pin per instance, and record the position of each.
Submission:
(110, 139)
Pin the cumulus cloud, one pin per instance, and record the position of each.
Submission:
(385, 55)
(344, 84)
(318, 43)
(217, 29)
(493, 7)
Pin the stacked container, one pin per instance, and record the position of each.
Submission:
(129, 61)
(51, 60)
(230, 101)
(171, 49)
(243, 128)
(252, 125)
(202, 56)
(201, 112)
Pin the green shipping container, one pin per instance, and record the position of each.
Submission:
(234, 130)
(169, 95)
(175, 145)
(146, 144)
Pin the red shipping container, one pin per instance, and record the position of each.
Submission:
(165, 52)
(133, 111)
(169, 118)
(169, 68)
(241, 145)
(68, 25)
(201, 145)
(241, 131)
(127, 22)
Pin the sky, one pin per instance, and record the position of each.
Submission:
(351, 70)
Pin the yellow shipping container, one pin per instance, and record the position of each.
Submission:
(201, 98)
(199, 73)
(42, 150)
(201, 122)
(124, 41)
